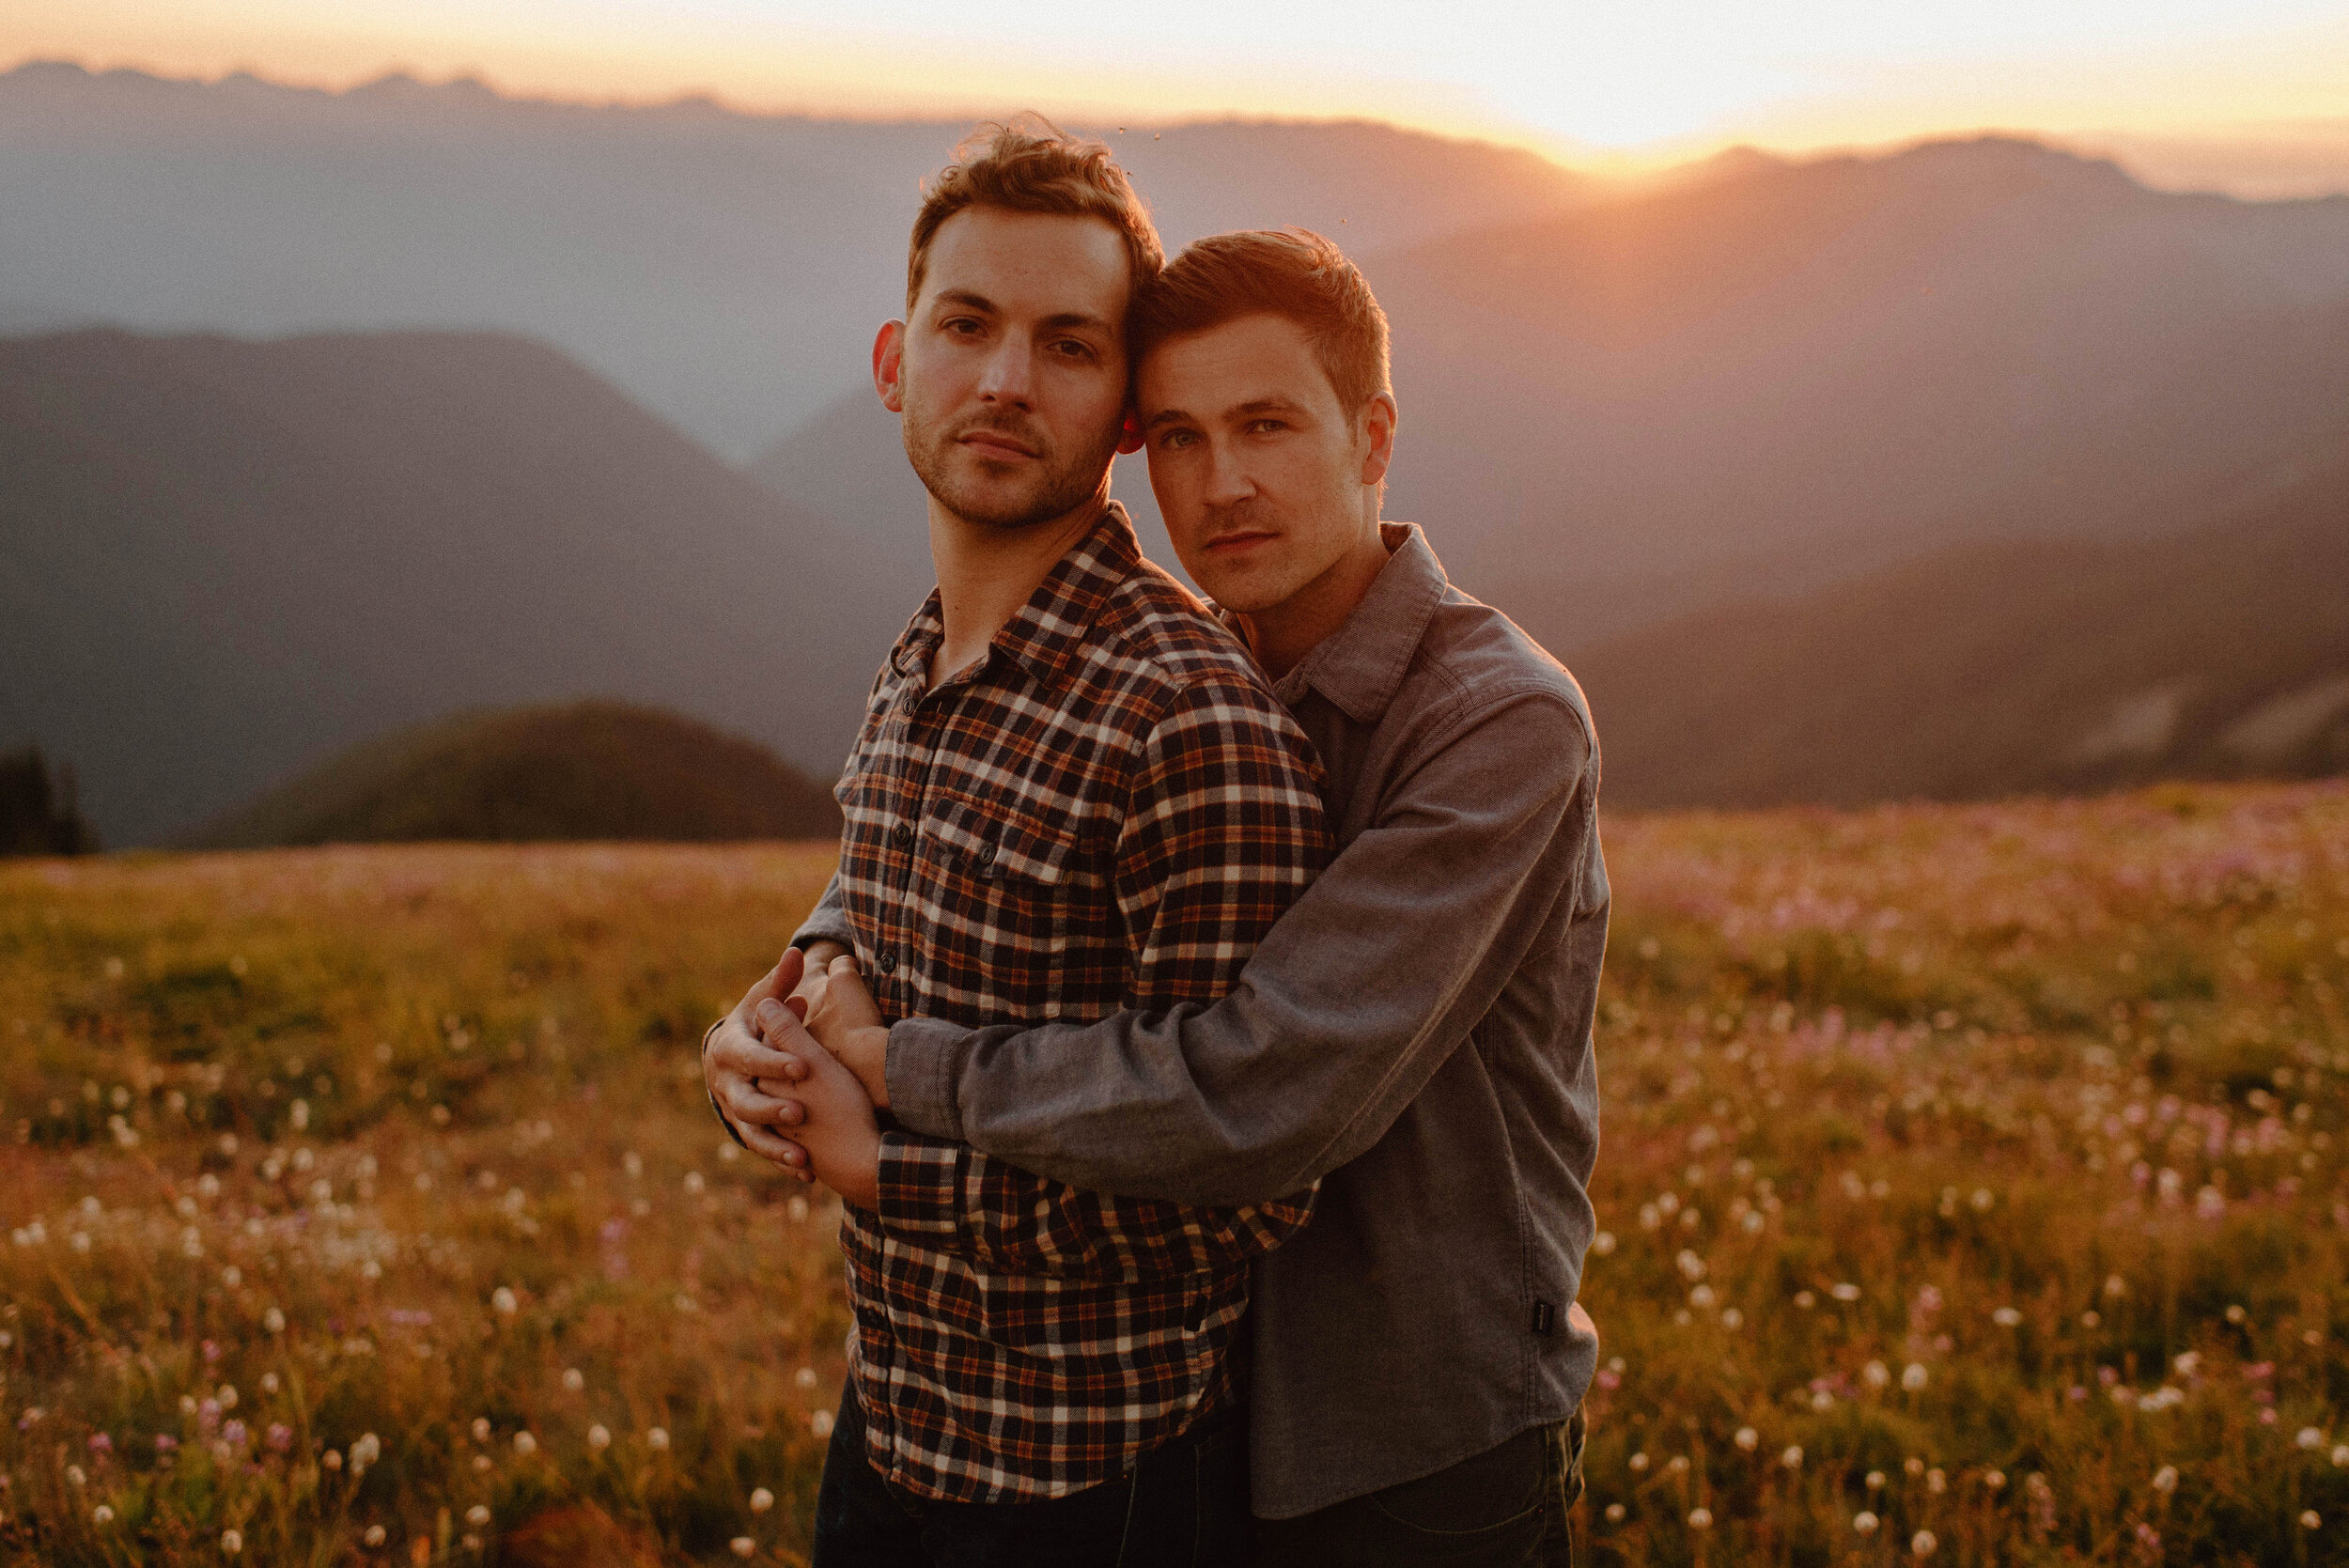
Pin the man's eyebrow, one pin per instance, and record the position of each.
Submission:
(1272, 403)
(1065, 320)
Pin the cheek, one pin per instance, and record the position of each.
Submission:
(919, 388)
(1174, 481)
(940, 377)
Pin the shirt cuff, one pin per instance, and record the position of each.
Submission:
(921, 1186)
(824, 931)
(924, 1060)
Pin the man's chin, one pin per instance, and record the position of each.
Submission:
(1005, 495)
(1007, 514)
(1240, 594)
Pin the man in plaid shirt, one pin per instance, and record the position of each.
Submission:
(1073, 794)
(1414, 1038)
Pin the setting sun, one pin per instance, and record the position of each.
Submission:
(1614, 83)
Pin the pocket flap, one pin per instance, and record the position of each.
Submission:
(1002, 843)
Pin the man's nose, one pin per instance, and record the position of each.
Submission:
(1228, 483)
(1009, 373)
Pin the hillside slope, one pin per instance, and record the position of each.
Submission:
(1999, 668)
(585, 771)
(1809, 370)
(228, 559)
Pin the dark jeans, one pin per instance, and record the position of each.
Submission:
(1183, 1505)
(1506, 1506)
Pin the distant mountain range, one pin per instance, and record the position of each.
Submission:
(1799, 410)
(584, 770)
(230, 560)
(724, 270)
(227, 559)
(1768, 382)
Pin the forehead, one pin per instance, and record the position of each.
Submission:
(1250, 358)
(1030, 263)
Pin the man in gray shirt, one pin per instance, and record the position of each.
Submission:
(1414, 1033)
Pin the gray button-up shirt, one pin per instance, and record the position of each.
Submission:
(1415, 1031)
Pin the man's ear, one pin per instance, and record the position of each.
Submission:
(1130, 439)
(888, 359)
(1376, 430)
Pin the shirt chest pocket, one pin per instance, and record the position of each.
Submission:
(1018, 895)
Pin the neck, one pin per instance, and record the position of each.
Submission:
(1286, 633)
(986, 574)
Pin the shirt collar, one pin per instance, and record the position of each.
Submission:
(1048, 630)
(1360, 666)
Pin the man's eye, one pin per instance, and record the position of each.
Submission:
(963, 326)
(1265, 427)
(1173, 440)
(1071, 349)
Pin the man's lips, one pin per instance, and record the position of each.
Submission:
(994, 444)
(1239, 539)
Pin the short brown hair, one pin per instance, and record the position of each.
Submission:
(1292, 272)
(1030, 165)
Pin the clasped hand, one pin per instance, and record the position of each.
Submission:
(805, 1049)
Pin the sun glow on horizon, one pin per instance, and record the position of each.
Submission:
(1614, 87)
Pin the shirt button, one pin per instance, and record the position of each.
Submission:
(888, 962)
(987, 854)
(902, 833)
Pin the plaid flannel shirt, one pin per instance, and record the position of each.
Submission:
(1107, 811)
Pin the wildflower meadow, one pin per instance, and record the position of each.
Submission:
(1972, 1191)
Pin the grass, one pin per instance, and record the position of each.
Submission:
(1971, 1170)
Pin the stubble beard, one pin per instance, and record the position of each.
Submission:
(1059, 485)
(1235, 587)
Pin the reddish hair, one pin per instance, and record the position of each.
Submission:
(1292, 272)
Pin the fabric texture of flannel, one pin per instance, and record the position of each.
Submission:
(1108, 810)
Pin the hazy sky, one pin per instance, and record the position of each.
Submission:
(1637, 77)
